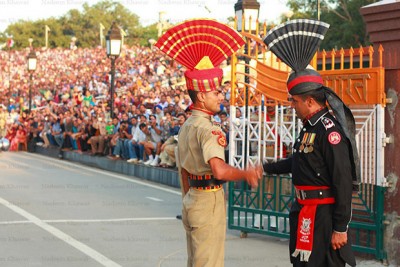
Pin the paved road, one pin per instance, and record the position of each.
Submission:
(57, 213)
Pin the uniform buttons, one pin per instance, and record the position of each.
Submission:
(294, 150)
(304, 129)
(318, 174)
(298, 140)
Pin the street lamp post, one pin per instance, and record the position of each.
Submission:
(113, 46)
(32, 62)
(244, 10)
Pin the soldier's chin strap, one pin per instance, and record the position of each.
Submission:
(346, 120)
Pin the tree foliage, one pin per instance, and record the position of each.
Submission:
(84, 25)
(347, 25)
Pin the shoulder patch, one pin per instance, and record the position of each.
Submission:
(328, 123)
(221, 138)
(334, 138)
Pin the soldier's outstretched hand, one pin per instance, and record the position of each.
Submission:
(253, 175)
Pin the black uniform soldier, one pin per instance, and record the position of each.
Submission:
(200, 45)
(324, 164)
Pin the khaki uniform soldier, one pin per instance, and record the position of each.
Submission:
(201, 143)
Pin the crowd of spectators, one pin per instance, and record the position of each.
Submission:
(70, 106)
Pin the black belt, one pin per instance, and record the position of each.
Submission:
(309, 194)
(205, 183)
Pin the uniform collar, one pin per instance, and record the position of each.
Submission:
(314, 117)
(202, 113)
(203, 110)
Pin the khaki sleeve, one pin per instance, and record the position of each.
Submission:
(213, 143)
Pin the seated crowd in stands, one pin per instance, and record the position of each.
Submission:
(71, 104)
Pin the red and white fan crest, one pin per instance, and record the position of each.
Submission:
(190, 41)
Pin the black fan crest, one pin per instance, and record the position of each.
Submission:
(296, 41)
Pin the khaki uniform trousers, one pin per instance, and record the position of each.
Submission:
(204, 219)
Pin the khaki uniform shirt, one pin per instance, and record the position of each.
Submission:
(199, 141)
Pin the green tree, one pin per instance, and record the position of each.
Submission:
(144, 34)
(347, 27)
(84, 25)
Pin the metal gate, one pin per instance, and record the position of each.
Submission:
(268, 128)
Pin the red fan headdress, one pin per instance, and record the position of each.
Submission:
(200, 45)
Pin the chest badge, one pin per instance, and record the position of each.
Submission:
(307, 143)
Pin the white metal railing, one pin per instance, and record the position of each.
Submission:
(265, 139)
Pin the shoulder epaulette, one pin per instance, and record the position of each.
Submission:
(328, 123)
(216, 124)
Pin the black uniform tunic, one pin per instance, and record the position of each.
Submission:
(321, 157)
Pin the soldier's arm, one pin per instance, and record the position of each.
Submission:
(279, 167)
(214, 142)
(226, 172)
(185, 181)
(337, 158)
(338, 240)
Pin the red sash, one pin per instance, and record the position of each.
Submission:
(306, 221)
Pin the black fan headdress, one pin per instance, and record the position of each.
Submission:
(295, 43)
